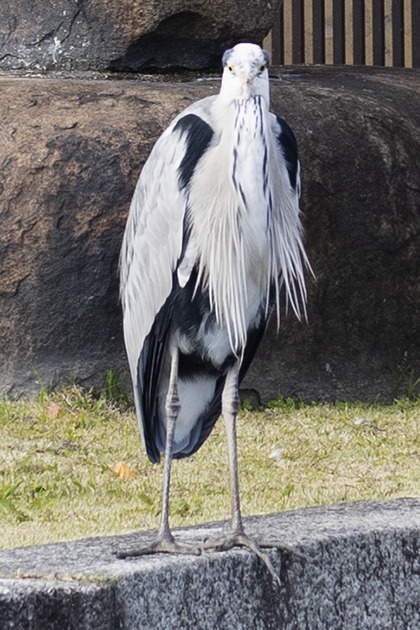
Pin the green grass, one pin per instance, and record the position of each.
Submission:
(58, 456)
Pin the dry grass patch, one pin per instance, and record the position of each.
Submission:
(72, 465)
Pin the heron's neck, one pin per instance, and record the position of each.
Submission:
(228, 100)
(230, 91)
(239, 120)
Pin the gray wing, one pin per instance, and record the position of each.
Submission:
(289, 258)
(152, 242)
(154, 238)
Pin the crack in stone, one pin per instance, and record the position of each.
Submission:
(49, 35)
(9, 55)
(72, 22)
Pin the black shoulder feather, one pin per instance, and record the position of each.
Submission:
(287, 141)
(199, 135)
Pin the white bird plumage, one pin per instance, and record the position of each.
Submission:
(212, 240)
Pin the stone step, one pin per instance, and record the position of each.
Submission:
(362, 573)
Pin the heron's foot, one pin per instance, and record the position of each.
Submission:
(242, 540)
(163, 544)
(257, 546)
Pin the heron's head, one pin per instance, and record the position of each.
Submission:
(245, 72)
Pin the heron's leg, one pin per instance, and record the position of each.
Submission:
(172, 408)
(165, 542)
(237, 536)
(230, 408)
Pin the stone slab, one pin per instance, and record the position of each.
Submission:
(364, 573)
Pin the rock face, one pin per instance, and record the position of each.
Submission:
(72, 152)
(71, 155)
(359, 137)
(129, 35)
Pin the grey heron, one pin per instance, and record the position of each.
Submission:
(212, 242)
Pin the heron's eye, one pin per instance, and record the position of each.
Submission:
(230, 68)
(263, 67)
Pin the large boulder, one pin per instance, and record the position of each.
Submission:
(358, 131)
(127, 34)
(71, 155)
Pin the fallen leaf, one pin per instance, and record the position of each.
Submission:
(123, 471)
(53, 410)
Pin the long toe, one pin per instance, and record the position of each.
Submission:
(242, 540)
(161, 545)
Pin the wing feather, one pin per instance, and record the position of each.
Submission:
(152, 243)
(156, 242)
(287, 141)
(288, 256)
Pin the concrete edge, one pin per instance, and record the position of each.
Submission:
(365, 573)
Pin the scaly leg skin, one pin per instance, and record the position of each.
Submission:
(237, 537)
(165, 542)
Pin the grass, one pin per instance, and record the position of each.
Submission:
(72, 464)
